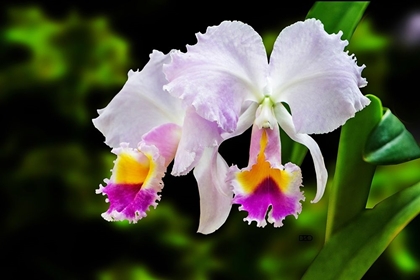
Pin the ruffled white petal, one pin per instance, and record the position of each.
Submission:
(197, 134)
(246, 119)
(215, 194)
(286, 123)
(141, 105)
(310, 71)
(227, 66)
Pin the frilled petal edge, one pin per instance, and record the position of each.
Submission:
(227, 66)
(134, 184)
(263, 185)
(311, 72)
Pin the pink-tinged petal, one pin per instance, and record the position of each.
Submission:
(141, 105)
(215, 193)
(197, 134)
(286, 123)
(246, 119)
(134, 184)
(227, 66)
(272, 148)
(310, 71)
(166, 139)
(261, 186)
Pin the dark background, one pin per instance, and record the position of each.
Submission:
(53, 158)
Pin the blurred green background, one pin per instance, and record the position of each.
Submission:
(61, 62)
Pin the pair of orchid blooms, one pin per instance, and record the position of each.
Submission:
(182, 106)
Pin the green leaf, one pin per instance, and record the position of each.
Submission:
(338, 16)
(353, 176)
(390, 142)
(350, 252)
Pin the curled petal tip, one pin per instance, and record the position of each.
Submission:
(215, 192)
(100, 190)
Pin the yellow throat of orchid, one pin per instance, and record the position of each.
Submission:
(262, 170)
(131, 170)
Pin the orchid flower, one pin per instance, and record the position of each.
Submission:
(147, 128)
(227, 77)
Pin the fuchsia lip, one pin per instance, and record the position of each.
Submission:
(261, 186)
(134, 184)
